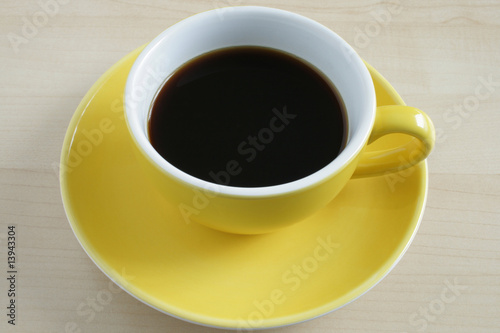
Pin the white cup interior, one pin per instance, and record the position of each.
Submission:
(256, 26)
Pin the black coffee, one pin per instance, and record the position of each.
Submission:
(248, 116)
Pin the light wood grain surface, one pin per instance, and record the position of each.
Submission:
(440, 56)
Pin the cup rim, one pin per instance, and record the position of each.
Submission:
(349, 153)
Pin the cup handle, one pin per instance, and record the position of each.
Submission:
(397, 119)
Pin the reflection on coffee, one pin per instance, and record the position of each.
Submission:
(249, 117)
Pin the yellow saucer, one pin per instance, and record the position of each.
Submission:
(216, 279)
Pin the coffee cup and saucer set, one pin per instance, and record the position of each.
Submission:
(245, 170)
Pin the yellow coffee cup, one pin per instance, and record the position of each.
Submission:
(255, 210)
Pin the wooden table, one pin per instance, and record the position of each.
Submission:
(442, 57)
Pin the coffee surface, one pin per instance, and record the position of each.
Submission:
(249, 117)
